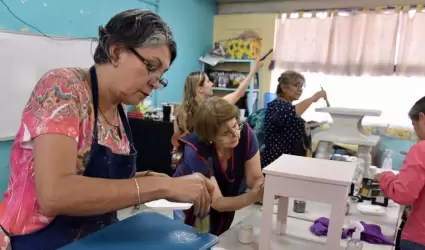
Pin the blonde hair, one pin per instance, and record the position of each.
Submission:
(211, 115)
(190, 100)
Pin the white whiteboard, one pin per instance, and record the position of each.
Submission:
(24, 58)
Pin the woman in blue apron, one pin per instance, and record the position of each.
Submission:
(227, 151)
(73, 160)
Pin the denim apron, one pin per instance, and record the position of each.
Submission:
(229, 180)
(101, 163)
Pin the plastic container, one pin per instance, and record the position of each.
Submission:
(358, 175)
(268, 97)
(355, 243)
(387, 164)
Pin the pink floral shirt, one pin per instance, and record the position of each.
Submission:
(61, 103)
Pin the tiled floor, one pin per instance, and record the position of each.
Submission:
(240, 214)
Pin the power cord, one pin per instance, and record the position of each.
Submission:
(41, 32)
(92, 39)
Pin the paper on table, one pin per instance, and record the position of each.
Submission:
(164, 204)
(380, 170)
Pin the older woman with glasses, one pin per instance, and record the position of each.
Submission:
(226, 150)
(285, 130)
(73, 160)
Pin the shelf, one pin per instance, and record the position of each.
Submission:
(237, 61)
(253, 90)
(233, 89)
(232, 61)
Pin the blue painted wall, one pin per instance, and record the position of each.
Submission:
(190, 20)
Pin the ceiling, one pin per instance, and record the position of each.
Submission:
(275, 6)
(266, 1)
(245, 1)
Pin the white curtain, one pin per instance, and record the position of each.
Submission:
(364, 43)
(411, 55)
(302, 43)
(355, 44)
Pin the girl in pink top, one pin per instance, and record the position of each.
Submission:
(407, 188)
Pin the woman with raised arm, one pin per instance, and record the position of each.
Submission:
(73, 160)
(285, 131)
(197, 89)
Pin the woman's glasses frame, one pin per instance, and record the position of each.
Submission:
(163, 82)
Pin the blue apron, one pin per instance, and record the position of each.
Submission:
(229, 180)
(101, 163)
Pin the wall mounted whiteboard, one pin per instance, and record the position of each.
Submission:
(24, 58)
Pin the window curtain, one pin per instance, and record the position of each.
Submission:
(356, 44)
(411, 54)
(363, 44)
(302, 43)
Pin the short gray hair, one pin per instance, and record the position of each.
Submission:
(417, 108)
(132, 29)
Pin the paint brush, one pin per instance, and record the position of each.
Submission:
(327, 102)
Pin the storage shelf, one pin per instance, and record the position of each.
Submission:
(237, 61)
(232, 89)
(253, 101)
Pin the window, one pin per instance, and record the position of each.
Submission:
(393, 95)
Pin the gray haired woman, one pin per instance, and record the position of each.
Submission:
(73, 161)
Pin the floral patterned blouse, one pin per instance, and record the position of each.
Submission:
(61, 103)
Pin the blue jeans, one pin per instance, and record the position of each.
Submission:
(410, 245)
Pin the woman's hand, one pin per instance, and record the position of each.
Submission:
(195, 189)
(257, 193)
(150, 173)
(319, 95)
(377, 177)
(257, 65)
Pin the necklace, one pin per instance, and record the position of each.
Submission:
(107, 121)
(116, 126)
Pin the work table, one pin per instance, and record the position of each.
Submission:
(298, 235)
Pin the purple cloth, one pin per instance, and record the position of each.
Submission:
(371, 234)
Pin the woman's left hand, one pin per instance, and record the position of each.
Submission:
(377, 177)
(150, 173)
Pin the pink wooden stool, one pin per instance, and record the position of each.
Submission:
(305, 178)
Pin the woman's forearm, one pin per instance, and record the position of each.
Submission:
(229, 204)
(82, 196)
(240, 91)
(301, 107)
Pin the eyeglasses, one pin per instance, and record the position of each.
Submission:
(233, 131)
(299, 85)
(163, 82)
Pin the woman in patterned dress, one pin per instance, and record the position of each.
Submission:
(73, 161)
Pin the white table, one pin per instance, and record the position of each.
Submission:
(387, 222)
(297, 237)
(309, 179)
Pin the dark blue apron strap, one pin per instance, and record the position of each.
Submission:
(125, 123)
(127, 129)
(95, 95)
(5, 232)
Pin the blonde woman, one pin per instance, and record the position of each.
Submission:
(197, 88)
(219, 138)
